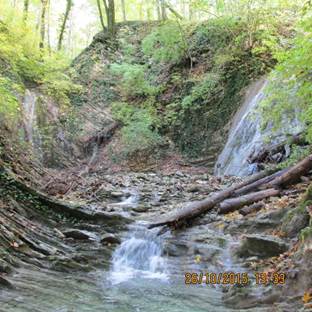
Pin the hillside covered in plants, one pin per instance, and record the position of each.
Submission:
(155, 152)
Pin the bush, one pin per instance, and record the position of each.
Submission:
(166, 43)
(138, 133)
(202, 92)
(290, 85)
(9, 105)
(134, 80)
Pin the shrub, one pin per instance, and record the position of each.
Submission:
(134, 80)
(166, 43)
(202, 92)
(138, 133)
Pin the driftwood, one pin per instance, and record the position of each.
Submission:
(257, 184)
(197, 208)
(252, 208)
(229, 199)
(293, 174)
(233, 204)
(268, 152)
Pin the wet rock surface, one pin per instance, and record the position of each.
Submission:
(209, 244)
(261, 246)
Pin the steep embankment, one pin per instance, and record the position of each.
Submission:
(171, 88)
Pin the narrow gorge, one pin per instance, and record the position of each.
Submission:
(166, 167)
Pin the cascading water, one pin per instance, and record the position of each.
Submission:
(29, 114)
(246, 136)
(140, 255)
(32, 134)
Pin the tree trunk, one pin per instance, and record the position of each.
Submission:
(293, 174)
(26, 8)
(44, 4)
(257, 184)
(110, 16)
(252, 208)
(195, 209)
(233, 204)
(48, 26)
(157, 3)
(272, 188)
(63, 26)
(163, 10)
(172, 10)
(123, 8)
(100, 14)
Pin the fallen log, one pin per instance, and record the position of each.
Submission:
(257, 184)
(233, 204)
(266, 154)
(292, 175)
(252, 208)
(195, 209)
(271, 188)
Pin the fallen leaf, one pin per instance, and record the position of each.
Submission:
(307, 297)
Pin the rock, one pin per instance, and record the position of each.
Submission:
(261, 246)
(294, 222)
(77, 234)
(117, 194)
(175, 248)
(4, 267)
(193, 188)
(5, 283)
(109, 238)
(140, 209)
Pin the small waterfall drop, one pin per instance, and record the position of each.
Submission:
(246, 136)
(32, 134)
(139, 255)
(29, 114)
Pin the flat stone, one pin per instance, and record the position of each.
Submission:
(117, 194)
(5, 283)
(262, 246)
(109, 238)
(77, 234)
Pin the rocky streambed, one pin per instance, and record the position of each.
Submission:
(56, 262)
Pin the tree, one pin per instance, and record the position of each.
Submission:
(44, 4)
(123, 8)
(26, 7)
(110, 16)
(63, 26)
(100, 13)
(163, 9)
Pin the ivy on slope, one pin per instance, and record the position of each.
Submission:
(291, 82)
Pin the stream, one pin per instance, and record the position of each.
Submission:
(142, 276)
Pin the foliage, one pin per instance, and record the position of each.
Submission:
(290, 85)
(20, 56)
(202, 92)
(138, 133)
(166, 43)
(134, 80)
(9, 105)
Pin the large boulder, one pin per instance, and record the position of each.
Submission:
(262, 246)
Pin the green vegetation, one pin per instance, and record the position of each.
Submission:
(138, 133)
(290, 83)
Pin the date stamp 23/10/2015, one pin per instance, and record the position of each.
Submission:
(232, 278)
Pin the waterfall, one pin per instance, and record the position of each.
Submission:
(139, 255)
(246, 136)
(32, 134)
(29, 114)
